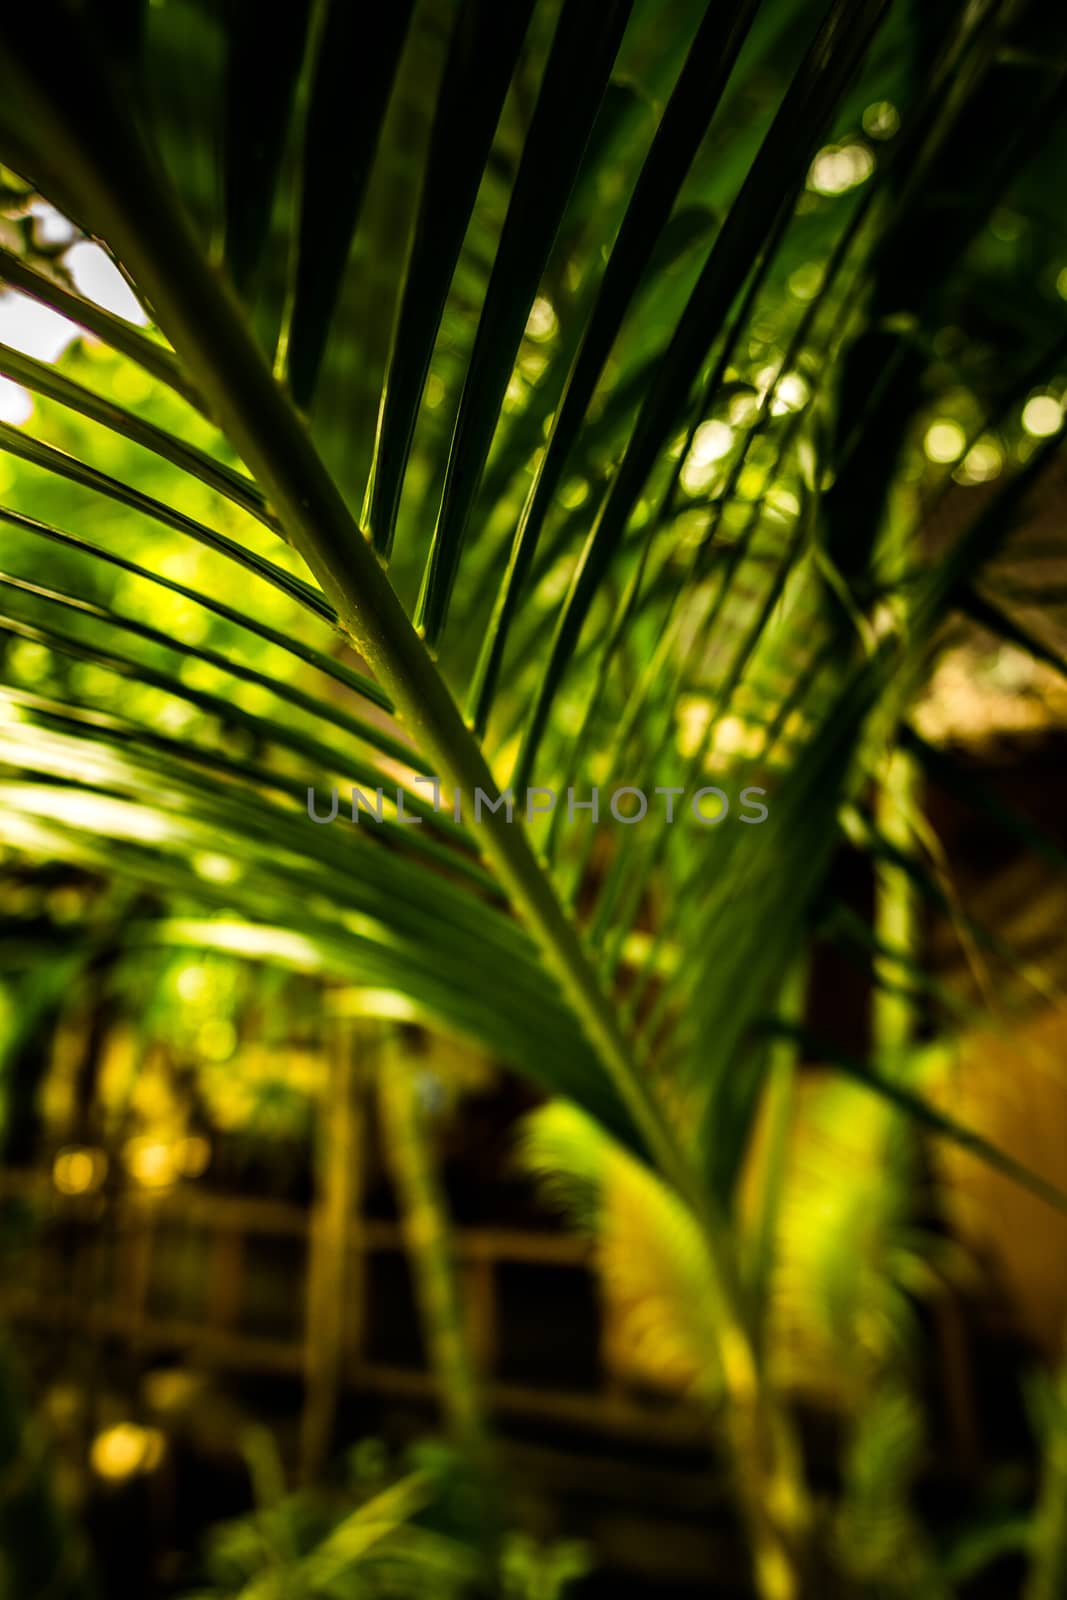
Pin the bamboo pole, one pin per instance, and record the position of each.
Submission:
(339, 1140)
(425, 1222)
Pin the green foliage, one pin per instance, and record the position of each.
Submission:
(659, 1284)
(408, 1537)
(844, 1257)
(296, 1546)
(880, 1541)
(1048, 1538)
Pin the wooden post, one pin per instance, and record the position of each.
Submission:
(224, 1280)
(478, 1301)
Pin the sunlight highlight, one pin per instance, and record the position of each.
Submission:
(16, 404)
(79, 1171)
(1042, 416)
(711, 442)
(126, 1450)
(99, 280)
(838, 168)
(32, 329)
(944, 442)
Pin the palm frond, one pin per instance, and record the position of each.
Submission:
(456, 454)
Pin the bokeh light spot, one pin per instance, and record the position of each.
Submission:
(1042, 416)
(944, 441)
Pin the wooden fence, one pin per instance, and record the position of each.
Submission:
(224, 1282)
